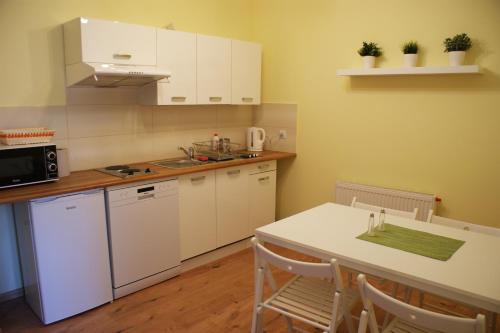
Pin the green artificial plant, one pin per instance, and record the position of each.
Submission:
(460, 42)
(410, 47)
(370, 49)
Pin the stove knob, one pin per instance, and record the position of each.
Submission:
(52, 167)
(51, 155)
(148, 170)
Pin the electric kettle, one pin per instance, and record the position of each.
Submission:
(255, 138)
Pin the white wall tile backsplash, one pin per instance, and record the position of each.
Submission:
(181, 118)
(106, 126)
(273, 118)
(100, 151)
(103, 120)
(234, 116)
(270, 114)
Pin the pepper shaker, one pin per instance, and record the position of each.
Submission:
(381, 220)
(371, 226)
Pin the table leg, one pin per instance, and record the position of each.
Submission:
(492, 322)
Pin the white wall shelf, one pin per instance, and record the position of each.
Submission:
(469, 69)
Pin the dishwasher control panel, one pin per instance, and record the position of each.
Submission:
(144, 191)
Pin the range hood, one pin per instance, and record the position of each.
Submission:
(112, 75)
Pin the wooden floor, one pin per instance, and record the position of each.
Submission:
(213, 298)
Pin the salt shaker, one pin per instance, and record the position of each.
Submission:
(371, 226)
(381, 220)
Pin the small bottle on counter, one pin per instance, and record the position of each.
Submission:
(215, 142)
(371, 225)
(381, 220)
(226, 145)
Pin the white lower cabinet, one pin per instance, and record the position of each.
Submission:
(262, 199)
(197, 213)
(223, 206)
(232, 204)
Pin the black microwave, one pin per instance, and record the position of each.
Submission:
(30, 164)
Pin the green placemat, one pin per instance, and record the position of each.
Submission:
(414, 241)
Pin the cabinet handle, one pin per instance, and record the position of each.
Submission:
(215, 99)
(263, 166)
(122, 56)
(178, 99)
(233, 172)
(263, 178)
(247, 99)
(195, 179)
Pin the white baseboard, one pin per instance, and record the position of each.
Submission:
(216, 254)
(16, 293)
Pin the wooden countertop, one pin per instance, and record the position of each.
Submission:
(91, 179)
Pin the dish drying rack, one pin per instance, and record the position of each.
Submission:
(26, 136)
(224, 150)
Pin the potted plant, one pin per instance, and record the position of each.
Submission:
(456, 48)
(369, 51)
(410, 51)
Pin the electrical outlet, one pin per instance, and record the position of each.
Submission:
(283, 134)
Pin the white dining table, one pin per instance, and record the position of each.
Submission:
(470, 276)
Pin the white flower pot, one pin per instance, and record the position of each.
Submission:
(410, 60)
(456, 58)
(368, 61)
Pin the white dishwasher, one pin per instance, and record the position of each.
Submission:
(143, 224)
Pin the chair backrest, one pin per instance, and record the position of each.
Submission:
(358, 204)
(403, 213)
(465, 225)
(430, 214)
(329, 270)
(428, 319)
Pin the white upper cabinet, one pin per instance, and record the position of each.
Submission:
(100, 41)
(213, 70)
(245, 72)
(176, 53)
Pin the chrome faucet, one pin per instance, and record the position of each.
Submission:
(189, 152)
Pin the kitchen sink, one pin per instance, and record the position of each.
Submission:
(179, 163)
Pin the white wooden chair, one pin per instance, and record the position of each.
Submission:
(465, 225)
(315, 295)
(457, 224)
(389, 211)
(408, 318)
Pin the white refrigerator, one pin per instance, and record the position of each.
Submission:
(63, 246)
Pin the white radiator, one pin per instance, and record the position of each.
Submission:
(386, 197)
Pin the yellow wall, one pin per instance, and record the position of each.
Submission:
(437, 134)
(31, 53)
